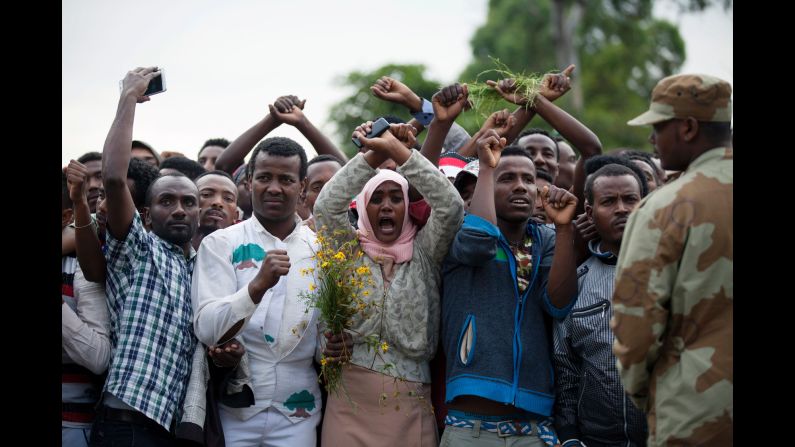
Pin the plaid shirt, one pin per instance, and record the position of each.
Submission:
(152, 338)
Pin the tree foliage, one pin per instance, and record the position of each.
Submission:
(361, 105)
(622, 52)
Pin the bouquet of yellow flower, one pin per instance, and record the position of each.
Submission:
(338, 293)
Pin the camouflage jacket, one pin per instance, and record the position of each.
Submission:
(673, 305)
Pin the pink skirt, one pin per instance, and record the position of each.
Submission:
(400, 420)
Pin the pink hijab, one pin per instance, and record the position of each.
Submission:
(401, 249)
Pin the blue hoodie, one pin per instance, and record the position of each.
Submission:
(506, 355)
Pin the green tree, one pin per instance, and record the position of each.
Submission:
(620, 50)
(361, 105)
(300, 402)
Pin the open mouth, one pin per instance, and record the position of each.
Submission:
(519, 201)
(386, 225)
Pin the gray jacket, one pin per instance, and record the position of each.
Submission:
(591, 404)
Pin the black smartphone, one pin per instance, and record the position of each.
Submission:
(379, 127)
(156, 84)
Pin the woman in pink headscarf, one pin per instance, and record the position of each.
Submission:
(405, 263)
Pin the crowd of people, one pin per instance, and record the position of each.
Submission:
(527, 288)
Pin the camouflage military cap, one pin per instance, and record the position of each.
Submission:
(705, 98)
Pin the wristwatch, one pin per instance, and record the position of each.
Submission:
(425, 115)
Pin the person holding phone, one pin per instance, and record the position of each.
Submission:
(151, 317)
(404, 262)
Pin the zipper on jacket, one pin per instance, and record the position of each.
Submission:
(600, 307)
(582, 393)
(624, 405)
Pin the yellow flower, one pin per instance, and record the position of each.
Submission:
(324, 265)
(323, 361)
(384, 346)
(363, 270)
(366, 293)
(340, 256)
(312, 287)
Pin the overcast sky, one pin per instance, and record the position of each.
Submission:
(226, 60)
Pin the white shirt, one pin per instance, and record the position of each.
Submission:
(280, 334)
(85, 333)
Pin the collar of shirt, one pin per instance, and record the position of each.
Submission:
(174, 247)
(595, 247)
(710, 156)
(296, 219)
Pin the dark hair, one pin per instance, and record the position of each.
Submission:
(544, 176)
(280, 147)
(66, 201)
(610, 170)
(717, 133)
(514, 150)
(191, 168)
(594, 163)
(324, 157)
(223, 142)
(90, 156)
(645, 157)
(142, 145)
(143, 175)
(150, 190)
(215, 172)
(535, 130)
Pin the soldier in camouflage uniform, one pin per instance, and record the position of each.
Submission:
(674, 294)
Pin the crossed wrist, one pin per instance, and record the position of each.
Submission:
(414, 103)
(302, 124)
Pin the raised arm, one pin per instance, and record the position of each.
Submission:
(559, 205)
(476, 242)
(89, 250)
(236, 152)
(331, 206)
(116, 153)
(289, 110)
(489, 146)
(500, 121)
(576, 133)
(448, 103)
(394, 91)
(553, 86)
